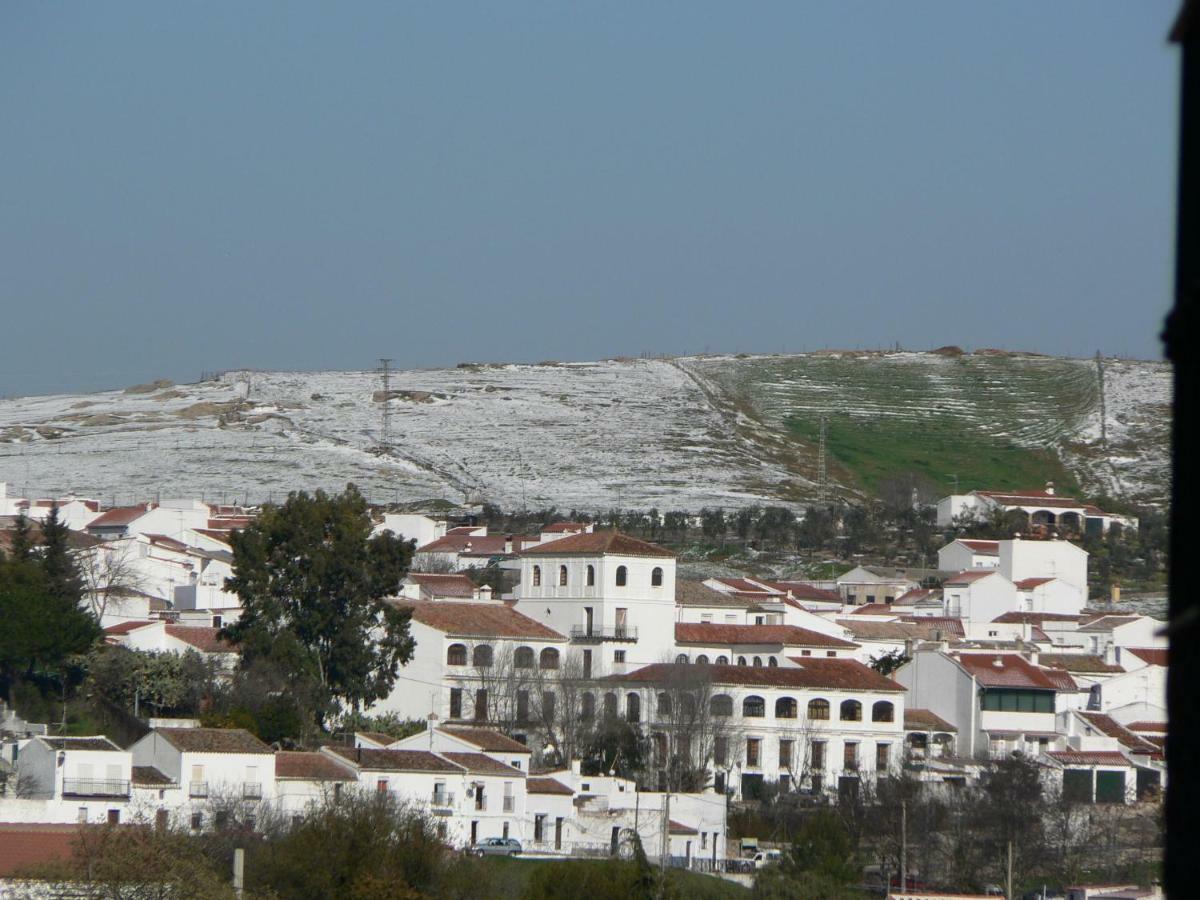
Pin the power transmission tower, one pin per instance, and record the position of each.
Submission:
(822, 466)
(385, 428)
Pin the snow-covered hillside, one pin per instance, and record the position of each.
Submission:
(680, 433)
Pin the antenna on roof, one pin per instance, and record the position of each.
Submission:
(822, 466)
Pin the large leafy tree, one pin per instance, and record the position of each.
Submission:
(313, 582)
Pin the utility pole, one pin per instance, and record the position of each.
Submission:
(1008, 874)
(385, 428)
(666, 844)
(822, 466)
(903, 845)
(239, 871)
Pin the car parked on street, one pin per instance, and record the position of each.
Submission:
(497, 846)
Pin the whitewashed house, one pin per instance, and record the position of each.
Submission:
(965, 554)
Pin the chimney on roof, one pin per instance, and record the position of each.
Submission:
(998, 663)
(485, 592)
(508, 543)
(1114, 595)
(1050, 488)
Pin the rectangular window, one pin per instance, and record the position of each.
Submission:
(456, 703)
(785, 754)
(883, 753)
(831, 653)
(785, 783)
(587, 663)
(806, 653)
(539, 822)
(522, 706)
(508, 797)
(381, 785)
(197, 821)
(818, 756)
(753, 746)
(720, 750)
(870, 598)
(618, 656)
(82, 815)
(704, 840)
(850, 757)
(706, 617)
(481, 705)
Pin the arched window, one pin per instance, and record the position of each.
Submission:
(664, 705)
(851, 711)
(549, 659)
(741, 660)
(758, 662)
(883, 711)
(772, 662)
(702, 660)
(622, 576)
(754, 707)
(537, 576)
(562, 576)
(687, 708)
(523, 658)
(721, 705)
(456, 655)
(785, 708)
(610, 704)
(681, 659)
(587, 706)
(482, 656)
(633, 707)
(818, 709)
(656, 577)
(591, 576)
(722, 660)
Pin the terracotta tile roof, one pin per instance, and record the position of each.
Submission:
(479, 620)
(559, 527)
(213, 740)
(695, 593)
(604, 542)
(1089, 757)
(544, 785)
(126, 627)
(148, 776)
(376, 737)
(968, 576)
(222, 536)
(802, 590)
(1107, 623)
(1034, 618)
(829, 674)
(1031, 498)
(923, 628)
(444, 585)
(25, 846)
(98, 742)
(310, 767)
(1109, 726)
(1028, 584)
(1036, 634)
(394, 760)
(917, 595)
(1154, 656)
(479, 764)
(204, 638)
(875, 609)
(1148, 726)
(917, 719)
(785, 635)
(1010, 670)
(119, 516)
(1083, 663)
(679, 828)
(466, 543)
(984, 548)
(745, 586)
(169, 542)
(950, 626)
(486, 739)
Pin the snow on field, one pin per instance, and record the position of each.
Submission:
(676, 434)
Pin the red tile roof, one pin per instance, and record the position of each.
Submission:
(802, 590)
(917, 719)
(444, 585)
(875, 609)
(468, 544)
(212, 740)
(486, 739)
(310, 767)
(984, 548)
(612, 543)
(695, 593)
(745, 586)
(1010, 670)
(1154, 656)
(544, 785)
(1034, 618)
(679, 828)
(559, 527)
(26, 846)
(394, 760)
(169, 542)
(126, 627)
(1028, 584)
(1083, 663)
(479, 620)
(148, 776)
(118, 516)
(785, 635)
(969, 576)
(1148, 726)
(1107, 623)
(828, 674)
(204, 638)
(479, 764)
(1089, 757)
(1031, 498)
(1109, 726)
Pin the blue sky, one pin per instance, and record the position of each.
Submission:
(191, 187)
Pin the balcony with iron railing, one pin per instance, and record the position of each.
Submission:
(582, 634)
(442, 800)
(251, 790)
(91, 787)
(198, 789)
